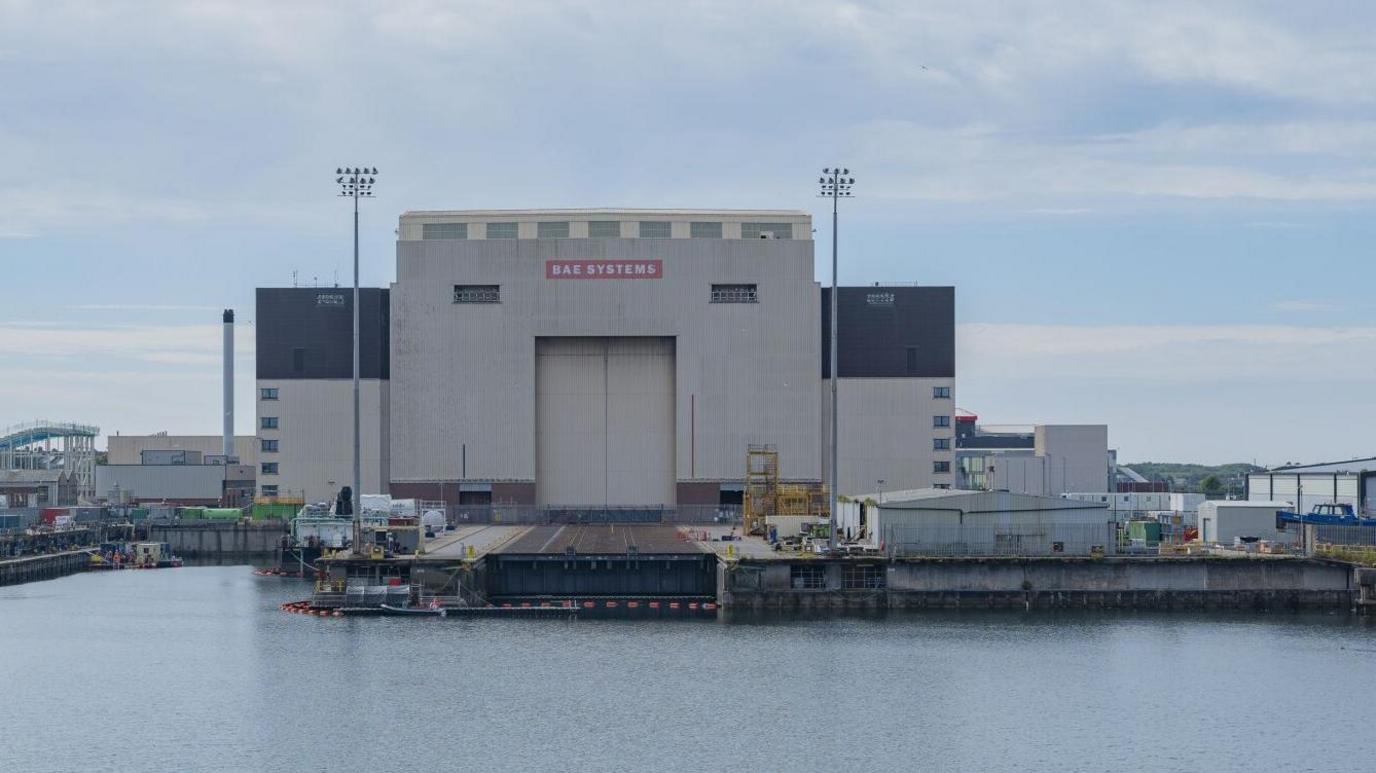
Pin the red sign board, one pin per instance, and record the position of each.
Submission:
(604, 269)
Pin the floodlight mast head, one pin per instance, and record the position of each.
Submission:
(356, 182)
(835, 183)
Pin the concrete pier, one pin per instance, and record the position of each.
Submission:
(1028, 583)
(14, 571)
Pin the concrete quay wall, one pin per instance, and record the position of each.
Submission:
(1048, 583)
(47, 567)
(240, 539)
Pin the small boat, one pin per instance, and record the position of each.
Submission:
(387, 609)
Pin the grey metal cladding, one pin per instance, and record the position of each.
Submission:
(892, 332)
(307, 332)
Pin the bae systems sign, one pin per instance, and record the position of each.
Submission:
(604, 269)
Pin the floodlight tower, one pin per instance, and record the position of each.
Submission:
(835, 184)
(356, 183)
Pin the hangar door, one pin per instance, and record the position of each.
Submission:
(604, 421)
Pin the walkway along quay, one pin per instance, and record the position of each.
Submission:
(46, 567)
(640, 568)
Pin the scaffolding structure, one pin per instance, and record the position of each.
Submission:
(53, 445)
(761, 487)
(765, 496)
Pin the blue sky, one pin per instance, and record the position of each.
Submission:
(1157, 215)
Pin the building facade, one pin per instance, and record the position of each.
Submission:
(1039, 460)
(602, 358)
(304, 405)
(897, 387)
(1351, 483)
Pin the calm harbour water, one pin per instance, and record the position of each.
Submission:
(196, 669)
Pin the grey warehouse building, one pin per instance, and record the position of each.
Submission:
(603, 358)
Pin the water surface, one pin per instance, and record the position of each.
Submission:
(197, 669)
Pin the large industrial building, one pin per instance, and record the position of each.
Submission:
(602, 358)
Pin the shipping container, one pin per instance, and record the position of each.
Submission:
(222, 513)
(283, 512)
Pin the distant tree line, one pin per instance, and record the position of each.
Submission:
(1210, 480)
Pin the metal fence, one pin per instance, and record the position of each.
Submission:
(1332, 534)
(1032, 539)
(461, 515)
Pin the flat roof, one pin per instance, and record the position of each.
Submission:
(601, 211)
(601, 539)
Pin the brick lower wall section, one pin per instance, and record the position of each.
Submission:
(699, 493)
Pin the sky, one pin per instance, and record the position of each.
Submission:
(1156, 215)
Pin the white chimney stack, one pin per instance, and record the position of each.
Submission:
(229, 385)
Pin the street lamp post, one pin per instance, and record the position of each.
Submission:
(356, 183)
(835, 184)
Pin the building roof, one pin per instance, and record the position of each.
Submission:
(976, 501)
(1352, 465)
(601, 211)
(17, 477)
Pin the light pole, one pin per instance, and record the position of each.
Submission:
(356, 183)
(835, 184)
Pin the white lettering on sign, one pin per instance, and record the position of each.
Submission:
(604, 269)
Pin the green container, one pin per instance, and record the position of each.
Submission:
(1147, 531)
(223, 514)
(265, 512)
(192, 514)
(138, 514)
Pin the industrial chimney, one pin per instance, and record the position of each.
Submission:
(229, 385)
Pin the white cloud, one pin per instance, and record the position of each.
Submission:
(92, 346)
(140, 307)
(1200, 354)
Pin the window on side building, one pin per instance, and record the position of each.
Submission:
(941, 421)
(267, 446)
(477, 293)
(270, 490)
(941, 467)
(270, 468)
(444, 231)
(604, 229)
(766, 230)
(501, 230)
(267, 393)
(704, 230)
(941, 444)
(267, 422)
(941, 393)
(738, 293)
(552, 229)
(654, 229)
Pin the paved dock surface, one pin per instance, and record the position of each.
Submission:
(602, 539)
(484, 539)
(709, 538)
